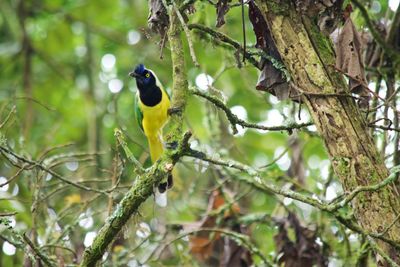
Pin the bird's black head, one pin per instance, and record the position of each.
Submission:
(144, 77)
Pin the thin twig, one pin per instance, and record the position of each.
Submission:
(48, 150)
(6, 214)
(275, 159)
(386, 128)
(37, 251)
(225, 39)
(187, 33)
(244, 31)
(43, 168)
(390, 225)
(381, 252)
(14, 176)
(12, 111)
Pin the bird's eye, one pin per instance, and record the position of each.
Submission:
(147, 75)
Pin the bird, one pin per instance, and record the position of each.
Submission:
(151, 109)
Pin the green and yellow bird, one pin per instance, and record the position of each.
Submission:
(151, 107)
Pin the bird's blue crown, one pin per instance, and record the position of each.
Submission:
(140, 69)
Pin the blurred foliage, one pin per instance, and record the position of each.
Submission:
(69, 101)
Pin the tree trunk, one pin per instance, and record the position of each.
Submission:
(309, 57)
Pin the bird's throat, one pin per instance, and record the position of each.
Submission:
(150, 96)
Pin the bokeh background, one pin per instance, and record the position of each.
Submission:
(64, 88)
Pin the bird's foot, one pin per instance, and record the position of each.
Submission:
(171, 145)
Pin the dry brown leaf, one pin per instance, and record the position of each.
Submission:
(210, 247)
(158, 19)
(271, 79)
(349, 61)
(201, 247)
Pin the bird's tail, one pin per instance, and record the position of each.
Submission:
(156, 149)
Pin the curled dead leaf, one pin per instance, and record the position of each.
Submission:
(349, 61)
(158, 19)
(212, 248)
(272, 78)
(201, 247)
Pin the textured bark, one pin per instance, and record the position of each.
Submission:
(310, 59)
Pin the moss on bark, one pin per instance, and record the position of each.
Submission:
(309, 57)
(145, 183)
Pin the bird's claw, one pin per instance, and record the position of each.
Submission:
(171, 145)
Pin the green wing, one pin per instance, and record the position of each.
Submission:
(138, 112)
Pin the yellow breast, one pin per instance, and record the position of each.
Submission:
(155, 117)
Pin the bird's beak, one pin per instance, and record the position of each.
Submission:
(133, 74)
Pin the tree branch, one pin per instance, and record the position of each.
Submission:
(234, 120)
(391, 178)
(12, 112)
(176, 144)
(37, 251)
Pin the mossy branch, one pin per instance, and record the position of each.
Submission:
(20, 240)
(176, 143)
(254, 179)
(390, 179)
(234, 120)
(139, 192)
